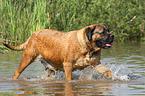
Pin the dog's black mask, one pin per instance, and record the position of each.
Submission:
(105, 42)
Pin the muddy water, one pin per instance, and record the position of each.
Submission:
(126, 61)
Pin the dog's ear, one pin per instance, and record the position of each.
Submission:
(89, 33)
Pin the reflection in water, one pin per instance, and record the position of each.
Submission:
(65, 88)
(25, 91)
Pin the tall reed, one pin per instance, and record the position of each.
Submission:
(20, 18)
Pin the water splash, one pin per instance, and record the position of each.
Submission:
(90, 73)
(120, 72)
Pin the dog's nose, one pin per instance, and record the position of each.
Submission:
(112, 36)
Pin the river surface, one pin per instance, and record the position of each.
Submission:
(125, 60)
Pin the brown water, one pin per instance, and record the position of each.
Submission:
(126, 61)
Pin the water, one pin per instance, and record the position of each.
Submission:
(126, 61)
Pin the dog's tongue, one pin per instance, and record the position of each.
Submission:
(109, 45)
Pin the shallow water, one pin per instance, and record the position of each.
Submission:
(126, 61)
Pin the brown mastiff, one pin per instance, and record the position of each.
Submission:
(66, 50)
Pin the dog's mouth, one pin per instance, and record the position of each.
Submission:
(104, 45)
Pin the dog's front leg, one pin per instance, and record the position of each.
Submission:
(68, 70)
(103, 70)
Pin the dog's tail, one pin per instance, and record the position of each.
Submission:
(19, 47)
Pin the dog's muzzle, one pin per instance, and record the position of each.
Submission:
(105, 42)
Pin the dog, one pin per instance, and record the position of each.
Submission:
(66, 51)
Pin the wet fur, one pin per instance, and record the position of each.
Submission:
(62, 51)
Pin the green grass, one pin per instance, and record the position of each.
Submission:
(20, 18)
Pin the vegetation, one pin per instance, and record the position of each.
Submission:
(20, 18)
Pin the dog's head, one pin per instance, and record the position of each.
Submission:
(99, 34)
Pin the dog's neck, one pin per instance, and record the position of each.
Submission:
(81, 36)
(83, 41)
(86, 46)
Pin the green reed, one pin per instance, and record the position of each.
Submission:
(20, 18)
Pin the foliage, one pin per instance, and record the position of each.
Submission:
(20, 18)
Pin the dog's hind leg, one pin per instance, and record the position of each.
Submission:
(29, 56)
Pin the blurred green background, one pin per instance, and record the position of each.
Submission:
(20, 18)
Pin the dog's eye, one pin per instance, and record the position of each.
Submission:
(99, 33)
(96, 33)
(102, 33)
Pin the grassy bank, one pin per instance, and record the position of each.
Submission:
(20, 18)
